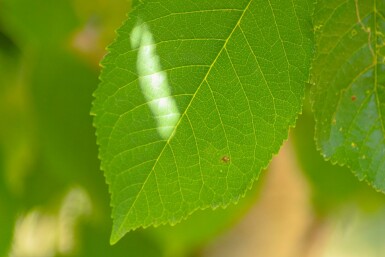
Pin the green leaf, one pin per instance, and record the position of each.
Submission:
(332, 187)
(349, 93)
(196, 97)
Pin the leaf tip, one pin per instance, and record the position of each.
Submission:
(115, 236)
(114, 239)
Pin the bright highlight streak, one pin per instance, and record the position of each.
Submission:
(153, 82)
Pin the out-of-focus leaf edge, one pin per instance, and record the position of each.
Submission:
(333, 161)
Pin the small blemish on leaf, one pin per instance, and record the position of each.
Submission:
(225, 159)
(353, 33)
(353, 145)
(354, 97)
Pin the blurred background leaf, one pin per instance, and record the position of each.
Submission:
(332, 187)
(348, 95)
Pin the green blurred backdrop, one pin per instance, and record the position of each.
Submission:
(53, 198)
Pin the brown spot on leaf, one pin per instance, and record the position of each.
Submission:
(354, 97)
(225, 159)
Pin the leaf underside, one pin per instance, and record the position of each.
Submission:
(349, 93)
(195, 98)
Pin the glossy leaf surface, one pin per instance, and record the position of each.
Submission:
(349, 92)
(196, 97)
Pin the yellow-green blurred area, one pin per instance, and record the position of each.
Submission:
(53, 198)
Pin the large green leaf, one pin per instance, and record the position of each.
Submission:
(349, 92)
(196, 97)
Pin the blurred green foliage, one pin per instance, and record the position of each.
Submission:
(49, 55)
